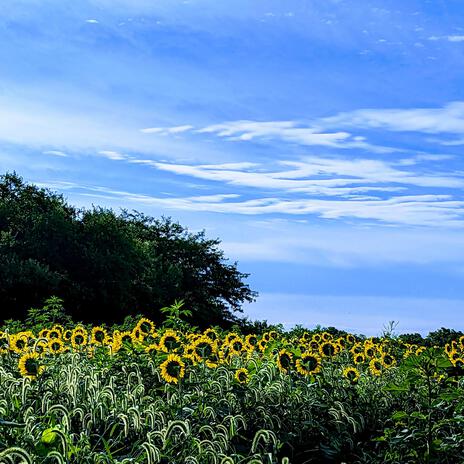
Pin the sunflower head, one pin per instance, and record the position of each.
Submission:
(203, 348)
(375, 366)
(242, 376)
(229, 337)
(284, 360)
(358, 358)
(351, 339)
(169, 341)
(18, 342)
(251, 340)
(53, 333)
(266, 337)
(352, 374)
(172, 369)
(236, 346)
(308, 364)
(262, 345)
(387, 360)
(79, 339)
(29, 366)
(146, 326)
(327, 349)
(306, 337)
(44, 333)
(273, 335)
(99, 336)
(326, 336)
(4, 343)
(55, 346)
(211, 334)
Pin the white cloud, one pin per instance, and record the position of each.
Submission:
(55, 153)
(113, 155)
(167, 130)
(448, 119)
(91, 21)
(455, 38)
(317, 175)
(289, 131)
(423, 210)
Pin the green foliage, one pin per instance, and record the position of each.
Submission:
(52, 312)
(175, 316)
(106, 265)
(442, 336)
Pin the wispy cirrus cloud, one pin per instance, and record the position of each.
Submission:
(448, 119)
(288, 131)
(333, 131)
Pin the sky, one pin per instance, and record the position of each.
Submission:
(320, 140)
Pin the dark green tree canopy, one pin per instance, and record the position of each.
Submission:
(106, 265)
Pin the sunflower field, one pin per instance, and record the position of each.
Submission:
(176, 394)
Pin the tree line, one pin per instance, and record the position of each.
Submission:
(106, 265)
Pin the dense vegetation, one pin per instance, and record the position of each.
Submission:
(107, 265)
(142, 393)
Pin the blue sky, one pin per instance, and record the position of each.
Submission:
(322, 141)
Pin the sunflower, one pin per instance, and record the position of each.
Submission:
(236, 346)
(44, 333)
(80, 328)
(375, 366)
(262, 345)
(284, 360)
(242, 375)
(317, 337)
(67, 335)
(387, 360)
(4, 343)
(369, 351)
(58, 328)
(359, 358)
(306, 337)
(341, 342)
(352, 374)
(56, 345)
(153, 348)
(273, 335)
(327, 349)
(41, 347)
(313, 345)
(18, 342)
(351, 339)
(204, 349)
(266, 337)
(126, 337)
(53, 333)
(326, 336)
(99, 336)
(173, 369)
(79, 339)
(29, 366)
(251, 340)
(229, 337)
(211, 334)
(308, 364)
(146, 326)
(115, 344)
(420, 350)
(357, 348)
(169, 342)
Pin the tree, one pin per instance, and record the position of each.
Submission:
(106, 265)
